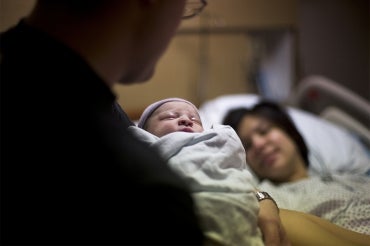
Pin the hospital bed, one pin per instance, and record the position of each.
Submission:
(334, 123)
(331, 101)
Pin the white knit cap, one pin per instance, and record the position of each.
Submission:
(152, 107)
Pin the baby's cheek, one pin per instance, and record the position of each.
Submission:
(168, 128)
(199, 129)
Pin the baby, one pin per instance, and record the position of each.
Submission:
(213, 163)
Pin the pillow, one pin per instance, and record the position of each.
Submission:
(332, 149)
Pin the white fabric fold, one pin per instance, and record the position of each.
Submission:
(214, 166)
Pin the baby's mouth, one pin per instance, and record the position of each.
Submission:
(187, 129)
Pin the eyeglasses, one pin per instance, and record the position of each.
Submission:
(193, 8)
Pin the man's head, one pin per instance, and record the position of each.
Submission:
(121, 40)
(170, 115)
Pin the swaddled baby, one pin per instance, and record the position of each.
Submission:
(213, 163)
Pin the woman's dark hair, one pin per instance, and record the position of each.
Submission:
(274, 113)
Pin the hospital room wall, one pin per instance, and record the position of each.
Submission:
(215, 53)
(200, 63)
(335, 42)
(211, 54)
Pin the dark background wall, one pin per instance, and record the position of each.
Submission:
(334, 41)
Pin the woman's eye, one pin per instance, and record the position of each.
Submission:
(264, 130)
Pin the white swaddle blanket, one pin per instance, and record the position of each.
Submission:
(213, 164)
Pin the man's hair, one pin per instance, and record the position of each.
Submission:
(78, 6)
(275, 114)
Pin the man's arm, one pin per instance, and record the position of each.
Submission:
(269, 221)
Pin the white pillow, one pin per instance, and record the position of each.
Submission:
(332, 149)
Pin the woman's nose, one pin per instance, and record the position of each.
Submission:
(258, 142)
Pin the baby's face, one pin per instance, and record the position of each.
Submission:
(174, 117)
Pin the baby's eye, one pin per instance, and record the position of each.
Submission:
(169, 116)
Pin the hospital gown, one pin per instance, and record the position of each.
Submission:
(342, 199)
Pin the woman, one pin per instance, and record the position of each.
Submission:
(278, 156)
(275, 149)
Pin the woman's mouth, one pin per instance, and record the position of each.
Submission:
(269, 159)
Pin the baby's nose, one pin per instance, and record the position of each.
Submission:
(185, 121)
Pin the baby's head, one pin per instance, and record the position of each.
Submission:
(170, 115)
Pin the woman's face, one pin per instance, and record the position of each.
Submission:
(270, 152)
(174, 117)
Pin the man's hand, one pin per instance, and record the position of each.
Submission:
(270, 224)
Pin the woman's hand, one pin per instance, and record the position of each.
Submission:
(270, 224)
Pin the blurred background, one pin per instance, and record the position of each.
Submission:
(251, 46)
